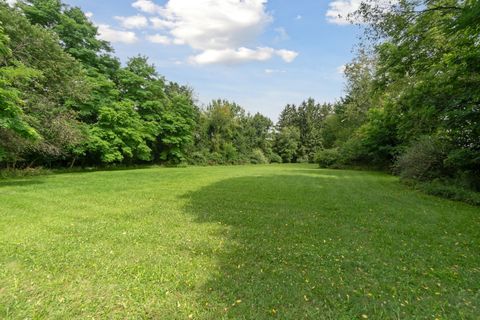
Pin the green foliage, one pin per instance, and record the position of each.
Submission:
(13, 125)
(257, 157)
(54, 82)
(416, 75)
(120, 135)
(78, 35)
(309, 119)
(423, 160)
(198, 158)
(230, 134)
(215, 158)
(328, 158)
(46, 13)
(287, 142)
(275, 158)
(65, 100)
(446, 189)
(11, 113)
(81, 104)
(13, 173)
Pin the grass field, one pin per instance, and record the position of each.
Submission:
(245, 242)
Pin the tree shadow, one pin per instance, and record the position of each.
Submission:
(310, 247)
(276, 237)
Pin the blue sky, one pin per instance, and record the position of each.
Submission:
(260, 54)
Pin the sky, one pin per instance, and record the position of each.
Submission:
(260, 54)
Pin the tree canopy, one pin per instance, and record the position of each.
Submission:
(65, 99)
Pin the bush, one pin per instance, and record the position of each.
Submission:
(230, 153)
(215, 158)
(302, 159)
(312, 156)
(275, 158)
(198, 158)
(20, 173)
(328, 158)
(448, 190)
(467, 165)
(257, 157)
(423, 160)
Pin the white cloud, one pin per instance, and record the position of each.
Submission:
(341, 11)
(287, 55)
(147, 6)
(282, 34)
(240, 55)
(215, 24)
(158, 38)
(270, 71)
(232, 56)
(158, 23)
(219, 30)
(178, 42)
(341, 69)
(105, 32)
(89, 15)
(133, 22)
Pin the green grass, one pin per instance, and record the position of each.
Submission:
(246, 242)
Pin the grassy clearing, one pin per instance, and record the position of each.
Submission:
(251, 242)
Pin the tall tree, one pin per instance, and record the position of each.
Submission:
(47, 100)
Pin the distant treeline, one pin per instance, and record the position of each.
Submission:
(412, 101)
(66, 100)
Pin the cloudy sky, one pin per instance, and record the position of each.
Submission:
(261, 54)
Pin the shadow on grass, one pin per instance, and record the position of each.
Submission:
(270, 264)
(307, 247)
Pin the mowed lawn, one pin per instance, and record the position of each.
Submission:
(240, 242)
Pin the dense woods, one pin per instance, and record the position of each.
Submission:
(412, 99)
(411, 102)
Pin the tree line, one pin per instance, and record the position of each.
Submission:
(67, 101)
(411, 102)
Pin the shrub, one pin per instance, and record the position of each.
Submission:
(20, 173)
(230, 153)
(215, 158)
(423, 160)
(467, 165)
(312, 156)
(448, 190)
(275, 158)
(198, 158)
(302, 159)
(328, 158)
(257, 157)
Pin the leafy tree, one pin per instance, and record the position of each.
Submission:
(120, 135)
(417, 76)
(309, 119)
(58, 83)
(77, 34)
(287, 142)
(13, 125)
(258, 129)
